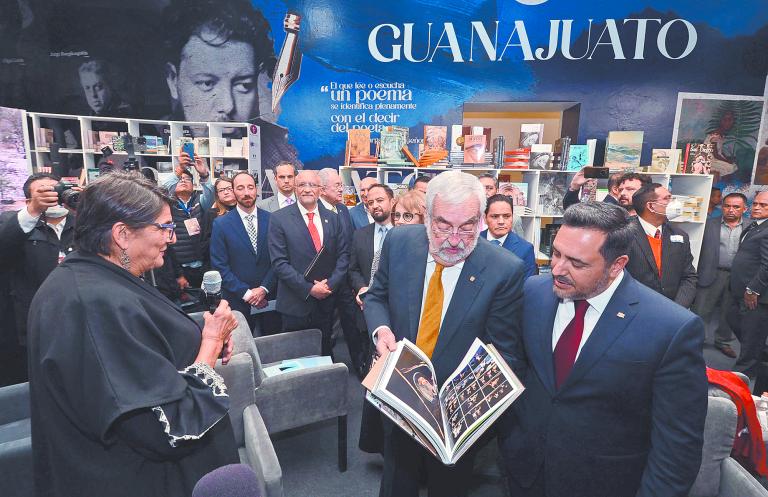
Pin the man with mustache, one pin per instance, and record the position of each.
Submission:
(616, 390)
(441, 286)
(239, 251)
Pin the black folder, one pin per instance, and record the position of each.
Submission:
(321, 266)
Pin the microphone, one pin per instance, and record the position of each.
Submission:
(212, 289)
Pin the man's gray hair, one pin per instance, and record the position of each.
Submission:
(454, 187)
(325, 175)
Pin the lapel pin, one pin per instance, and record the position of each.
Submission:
(326, 221)
(620, 314)
(471, 278)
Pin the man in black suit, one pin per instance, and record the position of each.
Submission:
(331, 189)
(660, 254)
(749, 286)
(718, 248)
(296, 235)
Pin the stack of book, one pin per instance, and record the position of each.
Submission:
(358, 149)
(517, 158)
(692, 208)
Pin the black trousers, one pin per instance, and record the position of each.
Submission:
(320, 317)
(752, 333)
(348, 309)
(403, 460)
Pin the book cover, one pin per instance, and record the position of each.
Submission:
(560, 153)
(664, 160)
(622, 150)
(474, 149)
(551, 192)
(449, 420)
(457, 138)
(698, 158)
(578, 157)
(540, 156)
(518, 192)
(391, 143)
(359, 142)
(531, 134)
(435, 137)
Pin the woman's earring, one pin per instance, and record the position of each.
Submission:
(125, 261)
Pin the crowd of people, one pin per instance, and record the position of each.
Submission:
(124, 378)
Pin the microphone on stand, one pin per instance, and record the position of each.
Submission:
(212, 289)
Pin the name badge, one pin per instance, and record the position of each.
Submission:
(676, 238)
(193, 226)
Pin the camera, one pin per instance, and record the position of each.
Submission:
(68, 197)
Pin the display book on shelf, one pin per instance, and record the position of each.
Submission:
(157, 143)
(534, 217)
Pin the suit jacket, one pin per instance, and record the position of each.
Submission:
(709, 257)
(359, 216)
(750, 266)
(629, 419)
(292, 251)
(361, 257)
(486, 302)
(270, 204)
(521, 248)
(232, 255)
(678, 276)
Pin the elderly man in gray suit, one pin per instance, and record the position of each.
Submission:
(285, 176)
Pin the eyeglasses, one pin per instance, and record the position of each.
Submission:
(307, 185)
(169, 228)
(407, 216)
(225, 190)
(185, 179)
(446, 232)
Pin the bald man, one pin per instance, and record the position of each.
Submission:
(359, 213)
(296, 235)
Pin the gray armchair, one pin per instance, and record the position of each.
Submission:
(295, 398)
(720, 475)
(15, 441)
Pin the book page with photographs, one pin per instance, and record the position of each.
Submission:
(408, 427)
(408, 384)
(476, 393)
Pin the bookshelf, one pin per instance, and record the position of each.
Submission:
(535, 218)
(225, 146)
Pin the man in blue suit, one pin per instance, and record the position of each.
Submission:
(239, 251)
(441, 286)
(499, 217)
(296, 235)
(616, 388)
(359, 213)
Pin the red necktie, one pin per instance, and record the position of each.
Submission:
(568, 344)
(313, 232)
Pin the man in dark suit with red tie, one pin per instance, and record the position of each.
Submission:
(660, 255)
(296, 235)
(616, 389)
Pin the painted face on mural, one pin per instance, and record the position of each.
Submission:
(98, 94)
(215, 83)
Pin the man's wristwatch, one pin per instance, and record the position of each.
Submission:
(751, 292)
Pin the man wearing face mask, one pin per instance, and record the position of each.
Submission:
(33, 242)
(660, 255)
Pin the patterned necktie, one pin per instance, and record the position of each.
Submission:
(429, 326)
(496, 242)
(288, 201)
(568, 344)
(313, 232)
(374, 266)
(251, 229)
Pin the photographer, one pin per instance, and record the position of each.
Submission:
(33, 242)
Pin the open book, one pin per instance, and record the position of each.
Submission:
(402, 385)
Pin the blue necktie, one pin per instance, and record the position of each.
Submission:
(382, 234)
(496, 242)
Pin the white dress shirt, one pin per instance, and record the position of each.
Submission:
(649, 229)
(328, 205)
(243, 214)
(283, 201)
(449, 279)
(27, 223)
(491, 238)
(566, 311)
(316, 220)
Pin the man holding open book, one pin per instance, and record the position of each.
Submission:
(441, 287)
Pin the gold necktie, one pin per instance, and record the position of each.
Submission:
(429, 326)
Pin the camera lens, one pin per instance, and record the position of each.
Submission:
(70, 198)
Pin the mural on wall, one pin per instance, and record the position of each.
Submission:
(373, 64)
(13, 159)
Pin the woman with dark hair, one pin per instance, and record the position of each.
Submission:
(124, 397)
